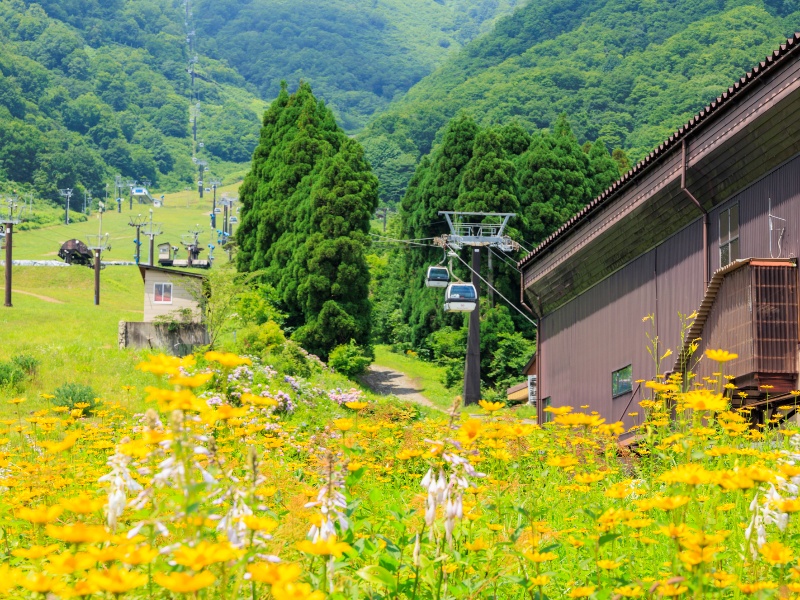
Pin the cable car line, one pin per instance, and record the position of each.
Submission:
(496, 291)
(500, 256)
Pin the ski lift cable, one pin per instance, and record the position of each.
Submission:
(396, 240)
(512, 265)
(497, 292)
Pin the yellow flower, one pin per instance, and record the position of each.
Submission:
(700, 400)
(538, 581)
(140, 556)
(67, 563)
(35, 552)
(776, 553)
(161, 364)
(490, 406)
(356, 405)
(204, 554)
(581, 592)
(629, 591)
(753, 588)
(329, 547)
(274, 573)
(40, 583)
(471, 429)
(259, 523)
(343, 424)
(721, 355)
(82, 505)
(227, 359)
(65, 444)
(476, 546)
(191, 381)
(668, 589)
(40, 514)
(608, 565)
(248, 398)
(296, 591)
(789, 505)
(561, 410)
(590, 477)
(116, 580)
(540, 557)
(184, 583)
(78, 533)
(670, 503)
(562, 461)
(16, 401)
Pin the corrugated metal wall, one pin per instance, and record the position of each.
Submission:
(609, 315)
(601, 330)
(782, 187)
(679, 284)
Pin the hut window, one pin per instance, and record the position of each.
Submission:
(729, 235)
(622, 381)
(162, 293)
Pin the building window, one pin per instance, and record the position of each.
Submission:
(729, 235)
(547, 416)
(622, 381)
(162, 293)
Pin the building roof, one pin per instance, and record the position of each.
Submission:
(143, 268)
(722, 102)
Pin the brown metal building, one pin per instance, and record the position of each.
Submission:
(709, 222)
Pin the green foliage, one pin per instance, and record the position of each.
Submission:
(89, 91)
(27, 363)
(350, 359)
(511, 353)
(358, 54)
(306, 207)
(12, 375)
(71, 394)
(260, 338)
(627, 72)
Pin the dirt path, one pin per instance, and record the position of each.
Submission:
(45, 298)
(387, 382)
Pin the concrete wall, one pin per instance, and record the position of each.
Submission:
(183, 295)
(177, 339)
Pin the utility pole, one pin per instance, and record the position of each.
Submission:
(67, 194)
(12, 216)
(475, 230)
(153, 229)
(383, 214)
(130, 185)
(192, 243)
(98, 243)
(137, 222)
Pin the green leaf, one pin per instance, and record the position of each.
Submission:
(609, 537)
(377, 576)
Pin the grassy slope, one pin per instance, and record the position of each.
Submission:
(181, 212)
(75, 340)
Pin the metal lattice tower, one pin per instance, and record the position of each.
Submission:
(476, 230)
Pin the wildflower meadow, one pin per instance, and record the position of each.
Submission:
(238, 481)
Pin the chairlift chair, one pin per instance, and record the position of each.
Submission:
(460, 297)
(438, 277)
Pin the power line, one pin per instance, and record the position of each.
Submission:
(511, 304)
(500, 256)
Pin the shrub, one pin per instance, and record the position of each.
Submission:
(26, 363)
(258, 339)
(11, 375)
(71, 394)
(349, 359)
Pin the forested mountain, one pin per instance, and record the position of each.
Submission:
(626, 71)
(90, 89)
(357, 54)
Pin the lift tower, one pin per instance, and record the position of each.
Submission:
(475, 230)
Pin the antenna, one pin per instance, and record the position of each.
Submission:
(771, 227)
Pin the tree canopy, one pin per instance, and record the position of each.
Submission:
(306, 207)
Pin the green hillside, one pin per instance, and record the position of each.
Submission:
(626, 71)
(91, 89)
(357, 54)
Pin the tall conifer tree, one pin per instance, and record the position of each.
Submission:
(306, 205)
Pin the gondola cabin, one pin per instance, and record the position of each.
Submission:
(438, 277)
(460, 297)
